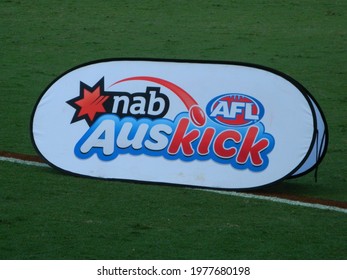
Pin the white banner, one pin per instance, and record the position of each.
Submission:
(204, 124)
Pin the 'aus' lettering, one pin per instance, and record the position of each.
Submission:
(110, 136)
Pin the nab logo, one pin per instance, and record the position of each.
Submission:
(93, 102)
(235, 110)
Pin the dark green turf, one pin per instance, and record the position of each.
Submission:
(64, 217)
(45, 214)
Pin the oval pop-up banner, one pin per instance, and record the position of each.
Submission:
(196, 123)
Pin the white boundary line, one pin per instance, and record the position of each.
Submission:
(282, 200)
(25, 162)
(231, 193)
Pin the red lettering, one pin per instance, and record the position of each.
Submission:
(221, 139)
(182, 139)
(251, 149)
(205, 142)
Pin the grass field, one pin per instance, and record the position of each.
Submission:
(48, 215)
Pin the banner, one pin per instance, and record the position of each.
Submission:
(196, 123)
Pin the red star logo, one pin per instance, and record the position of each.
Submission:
(90, 102)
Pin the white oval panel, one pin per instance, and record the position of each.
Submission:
(153, 121)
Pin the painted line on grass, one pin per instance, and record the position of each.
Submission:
(282, 200)
(25, 162)
(337, 206)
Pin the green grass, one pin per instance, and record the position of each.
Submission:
(48, 215)
(74, 218)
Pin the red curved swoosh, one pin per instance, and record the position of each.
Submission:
(187, 100)
(196, 113)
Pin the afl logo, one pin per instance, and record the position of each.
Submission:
(234, 109)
